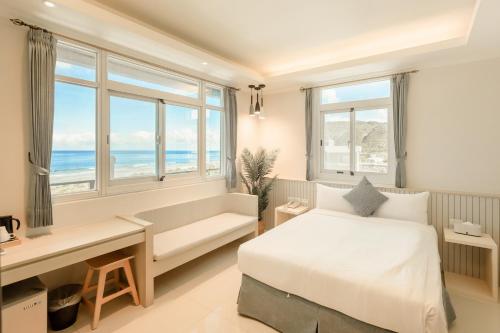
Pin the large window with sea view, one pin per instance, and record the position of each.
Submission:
(73, 166)
(181, 140)
(132, 137)
(214, 133)
(121, 125)
(214, 128)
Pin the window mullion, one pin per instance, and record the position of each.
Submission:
(202, 133)
(99, 122)
(160, 135)
(353, 141)
(105, 127)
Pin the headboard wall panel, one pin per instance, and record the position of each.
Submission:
(477, 208)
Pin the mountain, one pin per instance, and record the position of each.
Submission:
(370, 135)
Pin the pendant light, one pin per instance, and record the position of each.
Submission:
(257, 105)
(259, 102)
(261, 114)
(252, 110)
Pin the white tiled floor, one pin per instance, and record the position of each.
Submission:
(201, 297)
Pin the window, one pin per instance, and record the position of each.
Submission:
(355, 139)
(181, 141)
(372, 140)
(151, 78)
(336, 141)
(73, 166)
(75, 62)
(132, 138)
(213, 96)
(129, 126)
(357, 92)
(213, 141)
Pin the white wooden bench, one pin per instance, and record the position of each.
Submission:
(185, 231)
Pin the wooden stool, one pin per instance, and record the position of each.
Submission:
(111, 262)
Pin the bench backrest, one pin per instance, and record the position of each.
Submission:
(174, 216)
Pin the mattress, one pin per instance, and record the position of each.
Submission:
(380, 271)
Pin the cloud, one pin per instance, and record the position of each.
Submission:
(184, 138)
(134, 140)
(73, 141)
(213, 138)
(144, 136)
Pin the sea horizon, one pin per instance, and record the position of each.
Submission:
(72, 160)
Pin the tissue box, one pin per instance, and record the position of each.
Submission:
(467, 228)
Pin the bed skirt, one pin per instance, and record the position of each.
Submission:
(288, 313)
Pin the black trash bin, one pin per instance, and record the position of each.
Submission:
(63, 304)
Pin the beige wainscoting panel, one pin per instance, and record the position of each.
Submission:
(443, 205)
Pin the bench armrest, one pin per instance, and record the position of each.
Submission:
(241, 203)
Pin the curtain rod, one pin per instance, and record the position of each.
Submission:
(22, 23)
(358, 80)
(19, 22)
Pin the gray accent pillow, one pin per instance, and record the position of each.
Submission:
(364, 198)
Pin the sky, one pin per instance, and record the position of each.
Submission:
(369, 90)
(132, 122)
(376, 89)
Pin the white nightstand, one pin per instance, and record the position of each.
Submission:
(483, 289)
(283, 214)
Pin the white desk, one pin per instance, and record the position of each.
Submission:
(482, 289)
(70, 245)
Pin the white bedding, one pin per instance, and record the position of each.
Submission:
(381, 271)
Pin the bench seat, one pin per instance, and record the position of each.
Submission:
(172, 242)
(187, 230)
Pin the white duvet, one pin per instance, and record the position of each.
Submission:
(381, 271)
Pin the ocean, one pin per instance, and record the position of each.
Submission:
(73, 160)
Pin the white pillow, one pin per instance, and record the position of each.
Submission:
(409, 207)
(332, 199)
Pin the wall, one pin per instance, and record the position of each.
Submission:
(453, 136)
(453, 133)
(13, 120)
(284, 129)
(13, 148)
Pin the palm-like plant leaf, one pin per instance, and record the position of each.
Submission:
(255, 168)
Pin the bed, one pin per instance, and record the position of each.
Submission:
(331, 271)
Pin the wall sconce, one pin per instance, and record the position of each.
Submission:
(259, 104)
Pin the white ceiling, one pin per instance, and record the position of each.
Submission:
(283, 36)
(283, 43)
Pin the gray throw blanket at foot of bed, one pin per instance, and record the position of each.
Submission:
(292, 314)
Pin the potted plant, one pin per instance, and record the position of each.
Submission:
(255, 168)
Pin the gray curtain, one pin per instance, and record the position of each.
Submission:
(41, 67)
(231, 120)
(308, 113)
(399, 102)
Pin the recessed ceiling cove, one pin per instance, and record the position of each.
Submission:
(285, 36)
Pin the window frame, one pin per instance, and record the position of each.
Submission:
(351, 176)
(126, 87)
(97, 85)
(222, 142)
(222, 109)
(213, 86)
(188, 174)
(105, 88)
(132, 180)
